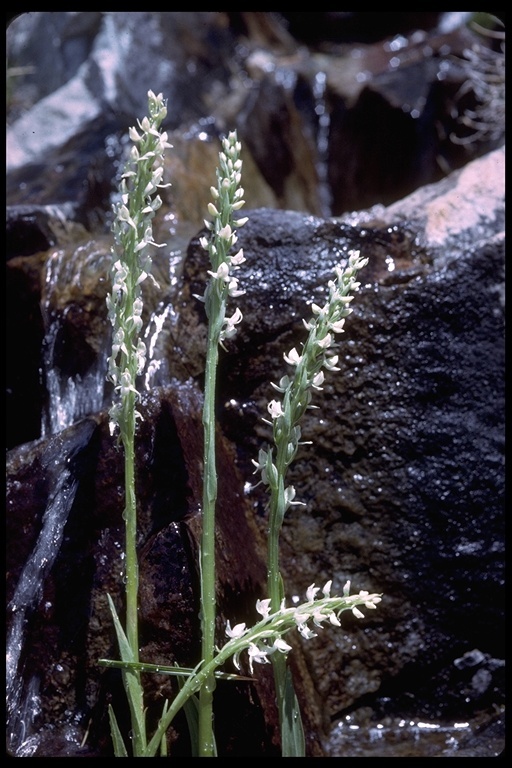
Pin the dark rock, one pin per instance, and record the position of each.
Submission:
(27, 231)
(61, 648)
(25, 332)
(408, 444)
(345, 27)
(404, 483)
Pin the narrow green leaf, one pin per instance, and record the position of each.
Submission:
(163, 743)
(162, 669)
(124, 645)
(191, 709)
(132, 684)
(117, 739)
(292, 732)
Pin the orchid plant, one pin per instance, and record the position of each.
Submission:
(266, 641)
(133, 238)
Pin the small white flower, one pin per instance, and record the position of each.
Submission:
(134, 322)
(134, 136)
(303, 628)
(371, 600)
(346, 589)
(330, 363)
(325, 342)
(284, 382)
(275, 409)
(280, 645)
(266, 467)
(230, 325)
(222, 272)
(258, 655)
(289, 496)
(337, 327)
(238, 630)
(354, 260)
(138, 306)
(318, 617)
(293, 357)
(144, 124)
(123, 214)
(319, 310)
(262, 460)
(226, 234)
(126, 384)
(263, 607)
(141, 356)
(120, 275)
(327, 588)
(149, 188)
(311, 592)
(357, 613)
(163, 144)
(153, 207)
(118, 343)
(238, 258)
(318, 380)
(233, 289)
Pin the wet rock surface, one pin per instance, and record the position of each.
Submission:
(405, 476)
(314, 119)
(61, 647)
(404, 481)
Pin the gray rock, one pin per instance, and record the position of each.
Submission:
(315, 122)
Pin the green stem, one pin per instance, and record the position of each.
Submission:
(208, 607)
(133, 687)
(276, 513)
(274, 579)
(130, 517)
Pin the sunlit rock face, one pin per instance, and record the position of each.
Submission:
(404, 478)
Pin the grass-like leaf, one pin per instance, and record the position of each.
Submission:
(292, 732)
(117, 739)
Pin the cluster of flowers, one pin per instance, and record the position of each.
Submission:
(133, 234)
(227, 197)
(316, 355)
(267, 636)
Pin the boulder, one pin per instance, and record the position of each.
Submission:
(403, 482)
